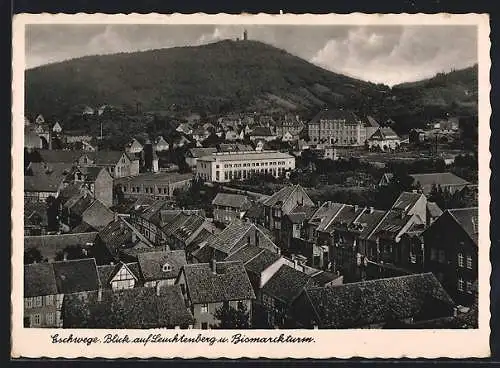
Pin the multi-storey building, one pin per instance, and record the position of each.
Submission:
(451, 252)
(226, 166)
(337, 127)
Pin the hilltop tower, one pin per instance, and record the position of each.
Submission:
(245, 35)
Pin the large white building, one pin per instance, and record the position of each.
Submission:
(225, 166)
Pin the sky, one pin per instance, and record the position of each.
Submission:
(380, 54)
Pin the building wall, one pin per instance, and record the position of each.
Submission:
(154, 190)
(226, 171)
(384, 144)
(338, 132)
(43, 311)
(39, 196)
(443, 242)
(103, 188)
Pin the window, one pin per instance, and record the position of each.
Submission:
(38, 301)
(166, 267)
(460, 260)
(35, 320)
(468, 287)
(413, 257)
(469, 262)
(204, 308)
(49, 299)
(204, 325)
(442, 257)
(240, 304)
(28, 303)
(49, 318)
(460, 285)
(123, 284)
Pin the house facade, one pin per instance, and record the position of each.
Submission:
(337, 127)
(451, 252)
(207, 287)
(225, 166)
(229, 207)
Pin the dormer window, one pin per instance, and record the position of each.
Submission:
(167, 267)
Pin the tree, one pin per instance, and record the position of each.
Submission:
(32, 255)
(233, 318)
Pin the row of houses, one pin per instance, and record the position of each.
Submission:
(363, 242)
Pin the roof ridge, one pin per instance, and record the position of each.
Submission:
(378, 224)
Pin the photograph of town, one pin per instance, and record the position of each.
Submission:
(250, 176)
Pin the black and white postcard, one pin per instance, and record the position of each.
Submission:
(285, 186)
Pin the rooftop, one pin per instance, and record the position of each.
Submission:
(467, 218)
(286, 284)
(229, 282)
(248, 155)
(231, 200)
(152, 264)
(159, 178)
(50, 245)
(376, 301)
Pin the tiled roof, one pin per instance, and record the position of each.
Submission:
(390, 225)
(227, 238)
(336, 114)
(154, 210)
(282, 195)
(245, 254)
(78, 205)
(188, 228)
(70, 191)
(364, 224)
(175, 223)
(406, 200)
(262, 261)
(83, 227)
(50, 245)
(249, 155)
(342, 219)
(230, 282)
(286, 284)
(39, 280)
(370, 302)
(467, 218)
(151, 264)
(46, 178)
(261, 132)
(325, 213)
(98, 215)
(76, 276)
(115, 236)
(200, 152)
(200, 240)
(136, 308)
(60, 155)
(370, 121)
(443, 179)
(323, 278)
(105, 158)
(308, 211)
(385, 133)
(238, 201)
(256, 211)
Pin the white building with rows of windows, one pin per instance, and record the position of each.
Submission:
(226, 166)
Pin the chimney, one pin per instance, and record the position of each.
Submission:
(65, 256)
(99, 294)
(158, 288)
(371, 209)
(213, 266)
(115, 215)
(356, 207)
(296, 263)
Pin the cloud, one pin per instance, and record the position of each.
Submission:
(398, 55)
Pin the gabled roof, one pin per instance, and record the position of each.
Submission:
(467, 218)
(107, 272)
(323, 215)
(105, 158)
(79, 204)
(390, 225)
(238, 201)
(444, 178)
(384, 134)
(201, 152)
(83, 227)
(76, 275)
(287, 284)
(46, 177)
(336, 114)
(371, 122)
(261, 261)
(323, 278)
(406, 200)
(261, 132)
(366, 222)
(151, 264)
(50, 245)
(138, 308)
(343, 218)
(39, 280)
(281, 196)
(370, 302)
(53, 156)
(229, 282)
(98, 215)
(188, 228)
(230, 236)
